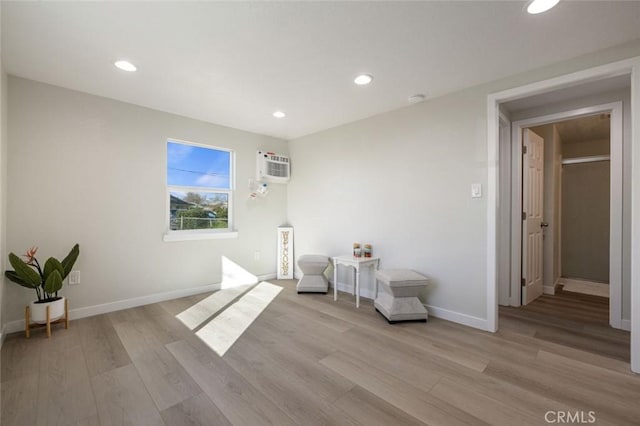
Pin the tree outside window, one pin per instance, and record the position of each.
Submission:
(199, 187)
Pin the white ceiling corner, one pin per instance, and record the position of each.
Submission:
(235, 63)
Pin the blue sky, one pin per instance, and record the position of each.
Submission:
(189, 165)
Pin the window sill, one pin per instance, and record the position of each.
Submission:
(193, 236)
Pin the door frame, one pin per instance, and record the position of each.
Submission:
(630, 67)
(615, 200)
(505, 292)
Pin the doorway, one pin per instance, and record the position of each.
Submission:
(576, 207)
(578, 321)
(519, 267)
(542, 92)
(585, 199)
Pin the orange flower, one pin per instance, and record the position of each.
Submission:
(31, 255)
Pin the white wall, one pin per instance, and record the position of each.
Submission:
(591, 194)
(92, 170)
(3, 191)
(401, 181)
(3, 180)
(585, 221)
(586, 148)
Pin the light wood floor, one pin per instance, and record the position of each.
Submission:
(573, 319)
(309, 360)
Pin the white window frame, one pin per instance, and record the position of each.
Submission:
(200, 234)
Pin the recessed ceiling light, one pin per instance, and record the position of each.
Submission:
(279, 114)
(125, 66)
(363, 79)
(416, 98)
(539, 6)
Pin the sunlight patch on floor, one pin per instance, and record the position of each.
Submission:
(235, 281)
(222, 331)
(197, 314)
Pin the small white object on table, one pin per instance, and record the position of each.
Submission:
(356, 263)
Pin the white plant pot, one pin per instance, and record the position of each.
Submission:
(38, 311)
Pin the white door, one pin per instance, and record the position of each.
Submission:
(532, 223)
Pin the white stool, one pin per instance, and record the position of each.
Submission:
(313, 279)
(397, 297)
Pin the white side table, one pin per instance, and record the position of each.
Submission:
(356, 263)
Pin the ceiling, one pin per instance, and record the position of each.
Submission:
(584, 129)
(235, 63)
(580, 130)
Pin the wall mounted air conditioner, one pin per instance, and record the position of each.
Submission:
(273, 167)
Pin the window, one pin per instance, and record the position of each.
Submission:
(199, 191)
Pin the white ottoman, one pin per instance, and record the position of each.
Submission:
(313, 279)
(397, 296)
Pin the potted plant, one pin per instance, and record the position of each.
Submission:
(45, 281)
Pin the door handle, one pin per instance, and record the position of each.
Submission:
(544, 225)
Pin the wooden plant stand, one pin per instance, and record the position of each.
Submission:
(27, 320)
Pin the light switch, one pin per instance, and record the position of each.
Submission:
(74, 278)
(476, 190)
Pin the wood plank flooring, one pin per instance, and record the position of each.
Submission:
(573, 319)
(309, 360)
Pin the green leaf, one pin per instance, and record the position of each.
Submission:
(16, 279)
(24, 271)
(52, 264)
(53, 283)
(70, 260)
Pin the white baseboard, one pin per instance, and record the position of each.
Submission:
(266, 277)
(13, 327)
(441, 313)
(104, 308)
(89, 311)
(625, 325)
(458, 317)
(551, 289)
(367, 293)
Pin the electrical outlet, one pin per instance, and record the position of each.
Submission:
(256, 255)
(74, 278)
